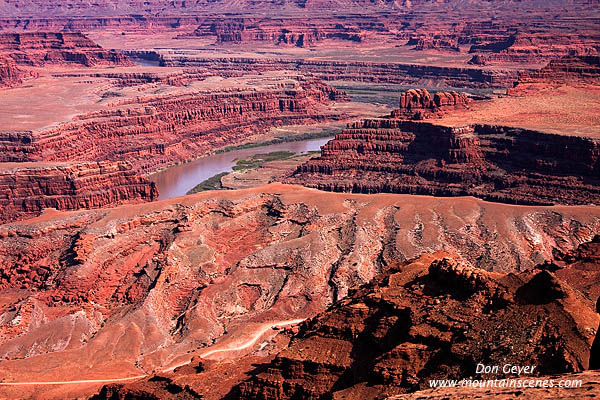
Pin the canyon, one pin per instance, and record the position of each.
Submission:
(159, 130)
(361, 71)
(451, 220)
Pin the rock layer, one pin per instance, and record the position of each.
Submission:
(490, 162)
(40, 48)
(157, 130)
(534, 46)
(284, 32)
(10, 75)
(578, 70)
(419, 103)
(361, 71)
(28, 188)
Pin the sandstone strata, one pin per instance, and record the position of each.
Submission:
(534, 46)
(128, 79)
(574, 70)
(279, 31)
(490, 162)
(40, 48)
(157, 130)
(419, 103)
(527, 32)
(28, 188)
(361, 71)
(434, 43)
(10, 75)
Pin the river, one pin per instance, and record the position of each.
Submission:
(179, 179)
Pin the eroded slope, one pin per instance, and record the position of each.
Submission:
(140, 288)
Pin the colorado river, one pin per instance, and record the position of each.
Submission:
(178, 180)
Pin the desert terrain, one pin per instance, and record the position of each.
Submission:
(298, 199)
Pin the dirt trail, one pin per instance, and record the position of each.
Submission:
(249, 343)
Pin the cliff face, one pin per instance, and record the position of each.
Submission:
(26, 188)
(429, 320)
(10, 75)
(145, 287)
(127, 79)
(490, 162)
(290, 32)
(535, 46)
(399, 73)
(434, 43)
(155, 131)
(40, 48)
(583, 69)
(419, 103)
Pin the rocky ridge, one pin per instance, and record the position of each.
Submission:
(10, 75)
(430, 320)
(415, 321)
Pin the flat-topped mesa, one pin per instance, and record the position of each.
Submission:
(28, 188)
(155, 131)
(494, 163)
(419, 103)
(40, 48)
(450, 145)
